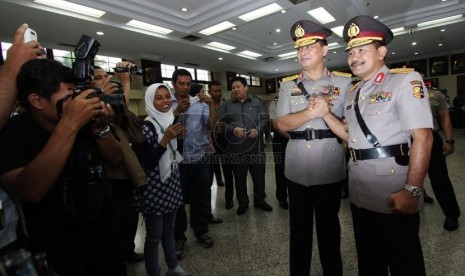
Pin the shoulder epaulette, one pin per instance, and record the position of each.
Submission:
(342, 74)
(401, 70)
(353, 88)
(290, 78)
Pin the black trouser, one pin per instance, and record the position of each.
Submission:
(279, 155)
(387, 241)
(440, 181)
(82, 248)
(125, 214)
(255, 164)
(325, 202)
(221, 163)
(196, 192)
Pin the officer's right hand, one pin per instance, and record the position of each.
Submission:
(81, 110)
(318, 107)
(403, 203)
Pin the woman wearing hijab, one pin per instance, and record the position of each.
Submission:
(159, 200)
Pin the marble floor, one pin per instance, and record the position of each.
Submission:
(256, 243)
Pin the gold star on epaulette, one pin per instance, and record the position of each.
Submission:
(401, 70)
(290, 78)
(342, 74)
(353, 88)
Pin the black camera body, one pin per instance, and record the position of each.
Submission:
(85, 52)
(133, 70)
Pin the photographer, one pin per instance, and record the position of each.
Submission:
(120, 178)
(55, 168)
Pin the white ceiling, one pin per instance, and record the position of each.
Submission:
(55, 30)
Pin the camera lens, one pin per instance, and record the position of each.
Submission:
(117, 102)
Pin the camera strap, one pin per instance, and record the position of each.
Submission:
(366, 131)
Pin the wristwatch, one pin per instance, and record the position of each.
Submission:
(452, 141)
(414, 190)
(104, 134)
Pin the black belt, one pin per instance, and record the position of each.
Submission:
(312, 134)
(381, 152)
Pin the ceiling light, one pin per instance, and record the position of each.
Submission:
(334, 45)
(376, 17)
(275, 43)
(440, 21)
(221, 46)
(250, 54)
(220, 58)
(288, 55)
(148, 27)
(393, 53)
(399, 31)
(276, 69)
(234, 28)
(334, 52)
(322, 15)
(283, 11)
(414, 43)
(261, 12)
(184, 9)
(100, 33)
(338, 30)
(440, 44)
(71, 7)
(443, 30)
(217, 28)
(278, 30)
(416, 53)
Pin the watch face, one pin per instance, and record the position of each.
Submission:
(416, 191)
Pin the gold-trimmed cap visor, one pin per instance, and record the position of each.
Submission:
(360, 41)
(307, 41)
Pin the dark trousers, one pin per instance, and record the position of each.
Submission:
(221, 164)
(255, 164)
(440, 181)
(196, 192)
(325, 202)
(83, 248)
(387, 241)
(279, 155)
(126, 215)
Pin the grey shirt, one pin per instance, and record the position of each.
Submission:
(391, 104)
(314, 162)
(250, 114)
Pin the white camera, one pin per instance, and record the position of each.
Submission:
(29, 35)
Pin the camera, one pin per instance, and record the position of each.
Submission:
(133, 70)
(85, 52)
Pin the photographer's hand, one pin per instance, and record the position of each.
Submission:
(183, 106)
(81, 110)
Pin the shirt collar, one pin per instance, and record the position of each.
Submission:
(326, 75)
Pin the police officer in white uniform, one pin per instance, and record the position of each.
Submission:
(389, 133)
(315, 161)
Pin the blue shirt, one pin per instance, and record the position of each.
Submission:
(196, 140)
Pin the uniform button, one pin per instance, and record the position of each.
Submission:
(362, 98)
(292, 102)
(333, 149)
(378, 113)
(301, 100)
(393, 171)
(353, 140)
(309, 146)
(313, 88)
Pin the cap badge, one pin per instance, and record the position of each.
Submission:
(353, 30)
(299, 31)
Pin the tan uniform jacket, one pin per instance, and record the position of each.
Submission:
(314, 162)
(391, 105)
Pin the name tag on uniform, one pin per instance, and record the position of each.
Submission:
(349, 107)
(296, 94)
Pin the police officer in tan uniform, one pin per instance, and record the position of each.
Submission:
(437, 171)
(389, 134)
(315, 161)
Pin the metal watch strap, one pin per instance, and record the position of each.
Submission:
(104, 134)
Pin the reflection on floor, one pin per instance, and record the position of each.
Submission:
(257, 243)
